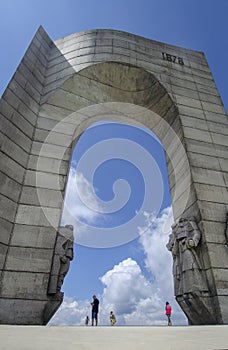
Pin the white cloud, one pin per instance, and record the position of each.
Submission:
(131, 295)
(74, 209)
(71, 312)
(125, 286)
(159, 261)
(134, 299)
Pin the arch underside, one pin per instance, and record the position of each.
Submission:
(128, 94)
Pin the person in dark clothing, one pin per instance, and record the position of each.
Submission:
(95, 310)
(87, 320)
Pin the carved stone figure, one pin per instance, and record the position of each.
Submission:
(63, 255)
(187, 267)
(190, 284)
(172, 246)
(226, 231)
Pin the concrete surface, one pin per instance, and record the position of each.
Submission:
(138, 338)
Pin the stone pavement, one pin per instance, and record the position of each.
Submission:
(113, 338)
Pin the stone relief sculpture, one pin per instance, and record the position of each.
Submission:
(190, 283)
(63, 255)
(226, 231)
(188, 271)
(172, 246)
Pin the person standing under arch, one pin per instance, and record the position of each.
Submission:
(95, 310)
(87, 320)
(168, 311)
(112, 318)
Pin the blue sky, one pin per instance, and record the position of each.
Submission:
(104, 177)
(199, 25)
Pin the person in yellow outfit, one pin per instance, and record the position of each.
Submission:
(112, 318)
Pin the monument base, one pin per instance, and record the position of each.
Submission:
(29, 312)
(197, 308)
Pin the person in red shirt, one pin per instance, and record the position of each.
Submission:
(168, 311)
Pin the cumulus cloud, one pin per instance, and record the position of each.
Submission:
(158, 260)
(74, 209)
(71, 312)
(131, 295)
(135, 299)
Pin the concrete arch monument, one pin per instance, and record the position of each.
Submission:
(57, 91)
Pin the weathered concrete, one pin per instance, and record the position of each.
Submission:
(59, 89)
(114, 338)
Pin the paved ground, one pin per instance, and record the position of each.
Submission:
(113, 338)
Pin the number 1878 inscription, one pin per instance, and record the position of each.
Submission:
(172, 58)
